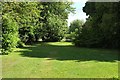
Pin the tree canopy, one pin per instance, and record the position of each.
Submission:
(102, 26)
(27, 22)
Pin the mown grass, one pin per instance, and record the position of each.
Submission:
(60, 60)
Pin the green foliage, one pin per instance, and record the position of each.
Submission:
(55, 29)
(31, 21)
(76, 24)
(20, 44)
(101, 28)
(28, 21)
(10, 33)
(70, 37)
(21, 19)
(54, 20)
(75, 28)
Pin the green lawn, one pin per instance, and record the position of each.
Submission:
(60, 60)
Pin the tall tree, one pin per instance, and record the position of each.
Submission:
(54, 20)
(101, 28)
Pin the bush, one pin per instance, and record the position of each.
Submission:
(88, 38)
(20, 44)
(10, 34)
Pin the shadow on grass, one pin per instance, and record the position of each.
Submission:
(69, 52)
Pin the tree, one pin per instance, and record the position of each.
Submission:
(28, 21)
(101, 28)
(75, 28)
(31, 21)
(17, 16)
(76, 24)
(54, 20)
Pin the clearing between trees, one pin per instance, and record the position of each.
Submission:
(60, 60)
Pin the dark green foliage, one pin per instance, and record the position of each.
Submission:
(20, 44)
(102, 27)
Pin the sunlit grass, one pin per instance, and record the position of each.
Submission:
(60, 60)
(60, 43)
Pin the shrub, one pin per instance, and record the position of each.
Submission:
(10, 34)
(20, 44)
